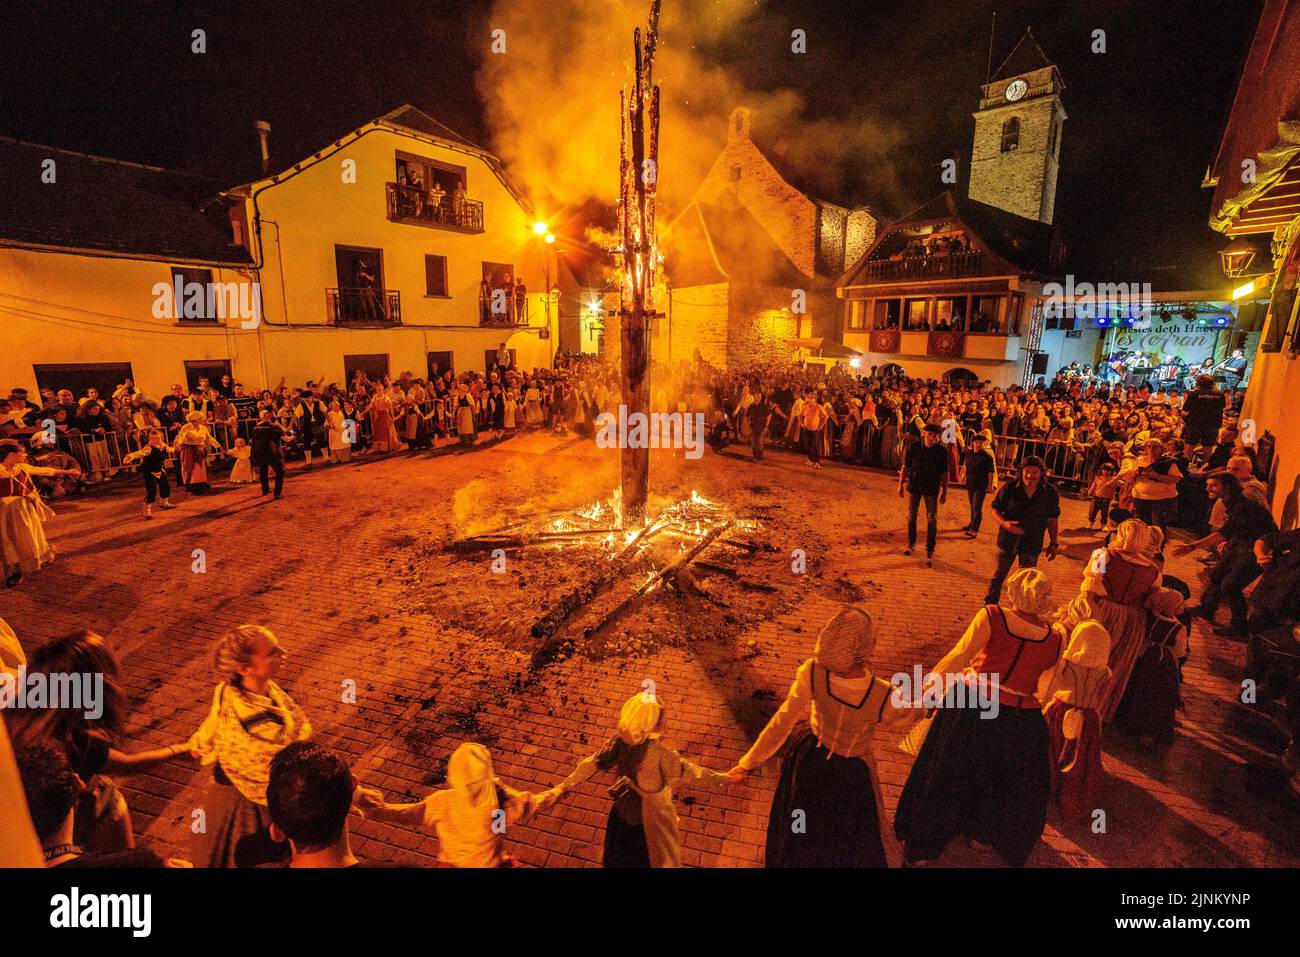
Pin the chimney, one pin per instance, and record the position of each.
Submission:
(738, 127)
(264, 142)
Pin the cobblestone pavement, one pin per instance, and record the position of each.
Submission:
(317, 569)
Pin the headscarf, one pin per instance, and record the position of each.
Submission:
(1089, 645)
(1130, 538)
(847, 640)
(639, 717)
(470, 775)
(1153, 542)
(1029, 591)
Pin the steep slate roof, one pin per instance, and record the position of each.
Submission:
(1025, 244)
(414, 119)
(801, 181)
(713, 244)
(106, 205)
(1027, 57)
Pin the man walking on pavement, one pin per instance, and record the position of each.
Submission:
(1026, 509)
(759, 414)
(924, 475)
(981, 475)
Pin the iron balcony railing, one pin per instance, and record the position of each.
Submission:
(411, 204)
(940, 266)
(515, 314)
(363, 307)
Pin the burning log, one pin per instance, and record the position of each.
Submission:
(545, 628)
(665, 575)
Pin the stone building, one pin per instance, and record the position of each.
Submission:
(1016, 152)
(751, 261)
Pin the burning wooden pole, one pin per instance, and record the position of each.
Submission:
(639, 175)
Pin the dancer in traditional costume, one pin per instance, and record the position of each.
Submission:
(382, 430)
(241, 473)
(23, 547)
(1153, 693)
(153, 468)
(984, 772)
(827, 810)
(1116, 585)
(1073, 723)
(251, 720)
(642, 828)
(192, 444)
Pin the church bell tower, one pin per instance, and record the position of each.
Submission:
(1018, 126)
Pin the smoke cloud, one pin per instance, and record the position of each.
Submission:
(552, 100)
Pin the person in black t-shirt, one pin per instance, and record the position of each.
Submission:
(981, 475)
(1026, 509)
(924, 476)
(52, 789)
(759, 414)
(1247, 522)
(1202, 414)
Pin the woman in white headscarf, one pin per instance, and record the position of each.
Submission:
(1074, 723)
(983, 770)
(471, 816)
(1117, 583)
(192, 444)
(827, 788)
(642, 829)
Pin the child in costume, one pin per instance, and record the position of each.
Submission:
(471, 816)
(642, 828)
(242, 472)
(153, 466)
(1147, 709)
(1074, 723)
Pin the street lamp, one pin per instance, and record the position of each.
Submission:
(1236, 257)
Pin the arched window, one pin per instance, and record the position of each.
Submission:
(1011, 134)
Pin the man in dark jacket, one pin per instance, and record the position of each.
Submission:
(267, 454)
(1026, 510)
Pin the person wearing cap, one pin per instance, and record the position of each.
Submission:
(1026, 510)
(924, 476)
(1073, 721)
(984, 773)
(642, 828)
(826, 811)
(981, 476)
(471, 816)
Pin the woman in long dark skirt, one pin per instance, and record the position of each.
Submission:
(827, 811)
(642, 829)
(984, 772)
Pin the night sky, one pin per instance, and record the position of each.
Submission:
(1144, 118)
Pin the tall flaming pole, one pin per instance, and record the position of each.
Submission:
(638, 184)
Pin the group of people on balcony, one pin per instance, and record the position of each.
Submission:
(415, 200)
(501, 303)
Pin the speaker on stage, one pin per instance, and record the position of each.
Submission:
(1039, 364)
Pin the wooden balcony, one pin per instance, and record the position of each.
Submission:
(941, 266)
(363, 308)
(420, 207)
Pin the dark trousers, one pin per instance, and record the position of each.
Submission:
(756, 442)
(1005, 560)
(154, 486)
(1228, 579)
(813, 445)
(976, 498)
(276, 464)
(1155, 511)
(931, 519)
(1098, 506)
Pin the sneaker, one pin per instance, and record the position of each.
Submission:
(929, 562)
(907, 550)
(167, 505)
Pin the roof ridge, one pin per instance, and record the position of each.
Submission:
(15, 141)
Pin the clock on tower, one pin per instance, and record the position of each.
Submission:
(1016, 154)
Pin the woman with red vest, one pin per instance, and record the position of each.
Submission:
(983, 769)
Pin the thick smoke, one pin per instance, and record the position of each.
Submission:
(552, 100)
